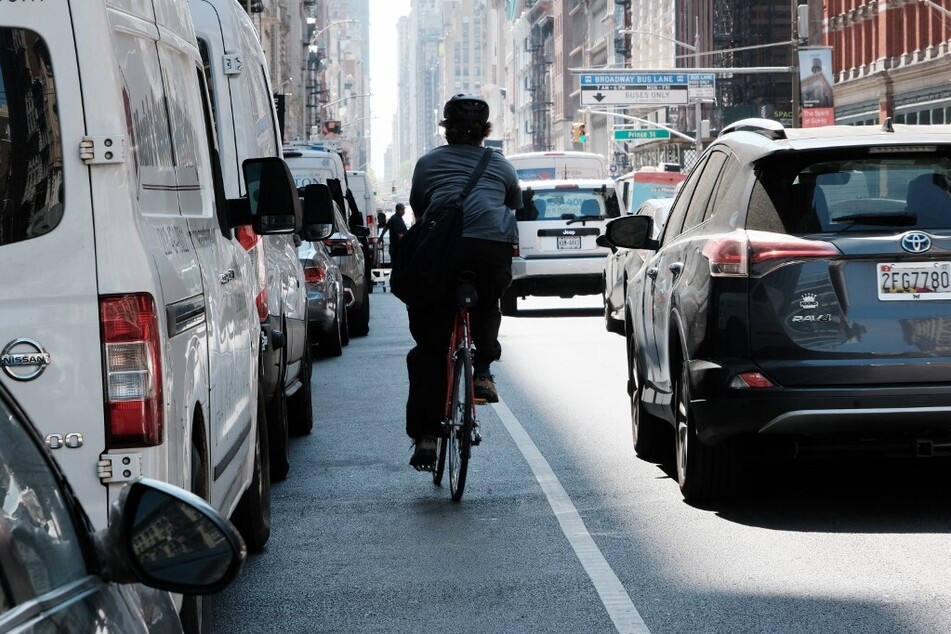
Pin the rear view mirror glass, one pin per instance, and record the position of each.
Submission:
(629, 232)
(318, 212)
(272, 197)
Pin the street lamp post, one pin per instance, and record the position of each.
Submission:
(313, 38)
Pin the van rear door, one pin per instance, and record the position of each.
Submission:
(49, 313)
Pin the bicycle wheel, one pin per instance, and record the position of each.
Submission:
(459, 442)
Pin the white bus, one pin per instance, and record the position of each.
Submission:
(563, 165)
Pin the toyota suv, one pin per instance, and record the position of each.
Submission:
(558, 227)
(798, 297)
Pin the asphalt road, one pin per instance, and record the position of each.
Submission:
(562, 528)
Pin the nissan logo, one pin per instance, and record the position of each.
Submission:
(915, 242)
(24, 359)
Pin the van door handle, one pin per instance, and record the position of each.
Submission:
(676, 268)
(652, 272)
(227, 276)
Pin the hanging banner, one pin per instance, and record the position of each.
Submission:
(815, 87)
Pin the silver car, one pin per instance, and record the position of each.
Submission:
(326, 304)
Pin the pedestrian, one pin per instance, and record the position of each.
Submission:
(488, 235)
(397, 227)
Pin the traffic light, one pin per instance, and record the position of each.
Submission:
(577, 132)
(582, 135)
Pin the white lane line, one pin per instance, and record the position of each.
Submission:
(614, 597)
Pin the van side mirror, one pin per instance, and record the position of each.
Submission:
(272, 205)
(318, 212)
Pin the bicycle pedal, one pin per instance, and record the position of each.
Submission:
(476, 437)
(480, 401)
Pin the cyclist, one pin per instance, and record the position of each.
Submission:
(489, 233)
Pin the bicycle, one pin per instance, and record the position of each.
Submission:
(460, 430)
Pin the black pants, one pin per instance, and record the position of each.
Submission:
(431, 326)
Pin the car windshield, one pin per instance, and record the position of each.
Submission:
(570, 203)
(873, 188)
(31, 156)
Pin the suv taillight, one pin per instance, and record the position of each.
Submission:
(314, 274)
(337, 246)
(254, 245)
(743, 253)
(133, 365)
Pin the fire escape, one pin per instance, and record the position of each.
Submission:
(538, 81)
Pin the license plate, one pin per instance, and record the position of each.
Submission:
(910, 281)
(569, 242)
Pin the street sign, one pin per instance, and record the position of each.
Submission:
(634, 135)
(662, 89)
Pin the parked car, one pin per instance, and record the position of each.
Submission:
(558, 227)
(136, 346)
(247, 127)
(58, 575)
(326, 306)
(620, 265)
(798, 298)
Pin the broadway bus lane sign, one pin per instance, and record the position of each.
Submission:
(627, 89)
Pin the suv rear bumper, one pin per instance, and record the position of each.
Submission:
(562, 277)
(853, 412)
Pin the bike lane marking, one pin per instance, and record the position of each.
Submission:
(617, 602)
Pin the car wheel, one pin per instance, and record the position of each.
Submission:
(611, 324)
(344, 315)
(277, 435)
(300, 409)
(705, 473)
(331, 342)
(509, 303)
(252, 517)
(360, 325)
(193, 615)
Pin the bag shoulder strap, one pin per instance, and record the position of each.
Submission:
(480, 168)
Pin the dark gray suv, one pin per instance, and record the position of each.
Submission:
(799, 297)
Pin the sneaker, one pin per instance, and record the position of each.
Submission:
(424, 454)
(484, 388)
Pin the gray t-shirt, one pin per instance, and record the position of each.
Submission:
(441, 174)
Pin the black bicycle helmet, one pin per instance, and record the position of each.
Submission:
(463, 107)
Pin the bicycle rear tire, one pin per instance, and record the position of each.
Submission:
(460, 424)
(441, 450)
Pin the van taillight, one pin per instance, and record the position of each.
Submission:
(133, 365)
(254, 245)
(314, 274)
(743, 253)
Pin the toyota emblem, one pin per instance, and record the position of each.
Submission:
(915, 242)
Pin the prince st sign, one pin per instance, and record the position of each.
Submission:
(629, 89)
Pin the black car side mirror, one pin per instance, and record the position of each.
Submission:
(318, 212)
(272, 205)
(631, 232)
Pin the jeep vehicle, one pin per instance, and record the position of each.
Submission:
(797, 300)
(558, 254)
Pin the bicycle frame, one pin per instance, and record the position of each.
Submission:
(460, 339)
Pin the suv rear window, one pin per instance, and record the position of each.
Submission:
(31, 155)
(569, 202)
(865, 191)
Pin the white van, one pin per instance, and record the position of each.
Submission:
(567, 165)
(247, 127)
(315, 164)
(359, 184)
(128, 328)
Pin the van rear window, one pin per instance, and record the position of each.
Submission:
(31, 155)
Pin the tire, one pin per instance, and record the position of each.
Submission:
(331, 344)
(459, 440)
(509, 303)
(612, 324)
(651, 434)
(360, 319)
(344, 314)
(193, 615)
(277, 435)
(300, 406)
(252, 517)
(705, 473)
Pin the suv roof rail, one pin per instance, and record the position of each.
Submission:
(767, 127)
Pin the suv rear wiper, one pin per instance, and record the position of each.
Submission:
(581, 219)
(901, 219)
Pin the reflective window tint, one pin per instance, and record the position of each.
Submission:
(31, 155)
